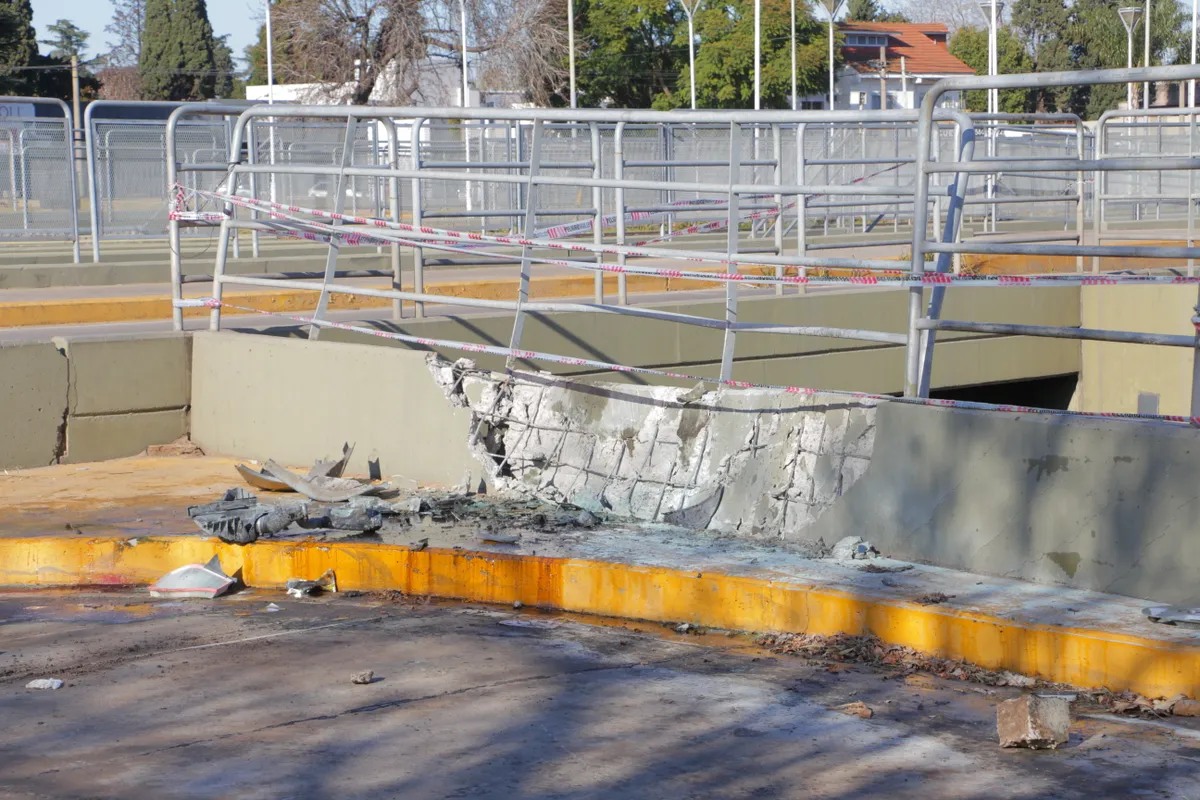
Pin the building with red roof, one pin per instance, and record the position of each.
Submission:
(895, 61)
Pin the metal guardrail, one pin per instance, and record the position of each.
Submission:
(37, 173)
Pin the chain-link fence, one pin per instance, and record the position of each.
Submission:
(38, 198)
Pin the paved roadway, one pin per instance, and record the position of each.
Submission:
(225, 698)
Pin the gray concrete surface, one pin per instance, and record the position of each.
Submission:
(219, 699)
(33, 404)
(1109, 505)
(296, 401)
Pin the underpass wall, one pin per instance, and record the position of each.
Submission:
(72, 401)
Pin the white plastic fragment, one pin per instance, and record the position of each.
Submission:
(44, 683)
(193, 580)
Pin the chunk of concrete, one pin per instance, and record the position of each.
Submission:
(1039, 723)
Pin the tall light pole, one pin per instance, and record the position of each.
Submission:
(462, 39)
(571, 49)
(793, 53)
(832, 7)
(1129, 18)
(690, 10)
(992, 9)
(1146, 51)
(270, 57)
(1192, 82)
(758, 54)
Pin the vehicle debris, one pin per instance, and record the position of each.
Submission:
(239, 518)
(1173, 615)
(204, 581)
(297, 587)
(489, 536)
(363, 678)
(267, 480)
(44, 683)
(699, 514)
(272, 608)
(1038, 723)
(325, 489)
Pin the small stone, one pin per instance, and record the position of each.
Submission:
(44, 683)
(518, 604)
(587, 519)
(1186, 708)
(363, 678)
(856, 709)
(1013, 679)
(683, 627)
(1034, 722)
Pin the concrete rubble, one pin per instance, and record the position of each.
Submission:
(1038, 723)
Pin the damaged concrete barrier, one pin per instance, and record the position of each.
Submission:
(1039, 723)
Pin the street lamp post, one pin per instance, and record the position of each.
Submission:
(992, 10)
(793, 41)
(1192, 83)
(832, 7)
(270, 57)
(1146, 51)
(758, 54)
(690, 10)
(1129, 18)
(462, 22)
(571, 49)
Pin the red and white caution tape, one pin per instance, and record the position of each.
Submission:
(533, 355)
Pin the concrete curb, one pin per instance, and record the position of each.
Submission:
(1077, 656)
(140, 308)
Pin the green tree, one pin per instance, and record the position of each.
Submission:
(18, 46)
(725, 60)
(1045, 28)
(871, 11)
(177, 59)
(970, 45)
(228, 83)
(633, 52)
(66, 40)
(281, 50)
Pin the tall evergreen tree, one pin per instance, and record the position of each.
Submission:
(177, 60)
(18, 46)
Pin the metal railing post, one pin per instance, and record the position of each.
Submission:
(535, 161)
(619, 211)
(418, 125)
(731, 249)
(331, 256)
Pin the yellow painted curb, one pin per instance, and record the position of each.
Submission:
(1076, 656)
(146, 307)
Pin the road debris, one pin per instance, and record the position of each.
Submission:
(856, 709)
(699, 514)
(853, 548)
(1186, 707)
(239, 518)
(297, 587)
(1173, 615)
(194, 581)
(267, 480)
(419, 545)
(272, 608)
(1038, 723)
(933, 598)
(363, 678)
(44, 683)
(843, 648)
(490, 536)
(325, 489)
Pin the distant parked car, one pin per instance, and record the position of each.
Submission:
(322, 189)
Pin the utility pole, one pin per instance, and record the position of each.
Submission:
(76, 131)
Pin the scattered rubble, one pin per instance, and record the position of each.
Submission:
(933, 598)
(1173, 615)
(1038, 723)
(238, 518)
(363, 678)
(856, 709)
(194, 581)
(297, 587)
(181, 447)
(44, 683)
(323, 468)
(489, 536)
(853, 548)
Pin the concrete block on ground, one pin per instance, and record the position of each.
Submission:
(1039, 723)
(105, 436)
(123, 374)
(33, 404)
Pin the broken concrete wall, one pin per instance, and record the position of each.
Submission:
(88, 400)
(755, 462)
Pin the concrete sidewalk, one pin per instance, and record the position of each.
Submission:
(123, 522)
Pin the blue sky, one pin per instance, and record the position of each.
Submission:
(238, 18)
